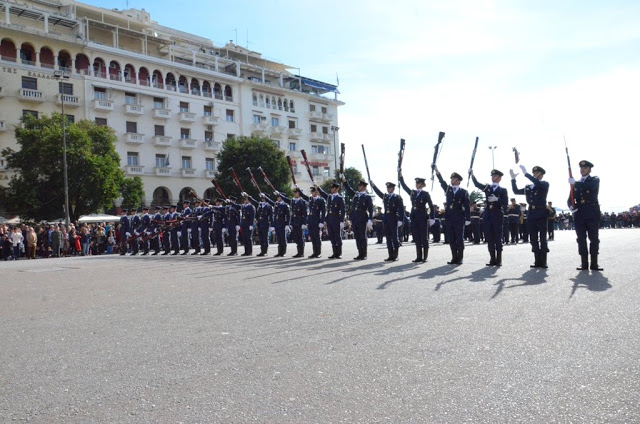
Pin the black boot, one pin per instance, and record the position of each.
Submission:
(492, 261)
(395, 254)
(425, 254)
(218, 253)
(339, 252)
(594, 263)
(300, 253)
(499, 258)
(543, 260)
(418, 255)
(279, 254)
(390, 258)
(536, 262)
(460, 255)
(584, 265)
(454, 258)
(334, 253)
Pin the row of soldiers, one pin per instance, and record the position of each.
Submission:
(190, 229)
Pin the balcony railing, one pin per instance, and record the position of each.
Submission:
(209, 174)
(133, 109)
(187, 117)
(210, 120)
(162, 171)
(188, 143)
(134, 138)
(316, 136)
(103, 104)
(161, 113)
(260, 128)
(69, 100)
(188, 172)
(30, 95)
(327, 117)
(315, 116)
(134, 170)
(212, 146)
(161, 141)
(294, 132)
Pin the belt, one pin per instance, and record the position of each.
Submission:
(537, 206)
(514, 214)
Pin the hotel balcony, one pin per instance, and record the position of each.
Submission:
(210, 120)
(162, 171)
(210, 174)
(134, 138)
(69, 101)
(135, 110)
(316, 136)
(188, 143)
(278, 130)
(212, 146)
(103, 104)
(161, 113)
(188, 172)
(327, 117)
(134, 170)
(260, 128)
(294, 132)
(315, 116)
(187, 117)
(161, 141)
(29, 95)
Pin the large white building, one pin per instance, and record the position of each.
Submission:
(171, 97)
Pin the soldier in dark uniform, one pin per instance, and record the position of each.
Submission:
(156, 224)
(420, 218)
(184, 233)
(378, 224)
(175, 228)
(281, 220)
(392, 219)
(335, 218)
(125, 231)
(475, 223)
(514, 220)
(233, 224)
(436, 228)
(494, 210)
(219, 222)
(264, 219)
(552, 220)
(586, 215)
(457, 214)
(166, 233)
(247, 218)
(144, 229)
(315, 221)
(298, 219)
(361, 215)
(536, 194)
(134, 220)
(195, 227)
(524, 230)
(206, 213)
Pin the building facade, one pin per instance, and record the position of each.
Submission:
(172, 98)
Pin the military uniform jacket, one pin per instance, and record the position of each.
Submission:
(585, 194)
(362, 206)
(248, 215)
(298, 210)
(393, 206)
(233, 215)
(335, 206)
(536, 195)
(281, 214)
(206, 217)
(419, 201)
(317, 210)
(498, 207)
(125, 226)
(157, 221)
(264, 214)
(514, 214)
(457, 204)
(219, 216)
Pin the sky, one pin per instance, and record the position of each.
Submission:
(514, 73)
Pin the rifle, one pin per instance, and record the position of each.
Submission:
(573, 200)
(473, 156)
(306, 163)
(517, 155)
(253, 180)
(218, 188)
(193, 193)
(293, 175)
(435, 156)
(342, 158)
(401, 154)
(236, 179)
(266, 179)
(365, 163)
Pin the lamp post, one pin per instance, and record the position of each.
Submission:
(64, 75)
(493, 163)
(335, 147)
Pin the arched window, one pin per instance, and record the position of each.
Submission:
(27, 54)
(64, 60)
(195, 87)
(129, 74)
(291, 108)
(8, 50)
(228, 94)
(143, 75)
(156, 79)
(255, 99)
(161, 196)
(217, 91)
(82, 63)
(170, 82)
(206, 89)
(46, 58)
(268, 102)
(114, 71)
(286, 105)
(182, 84)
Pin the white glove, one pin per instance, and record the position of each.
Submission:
(432, 222)
(296, 185)
(289, 228)
(369, 224)
(275, 193)
(304, 227)
(572, 181)
(513, 174)
(492, 198)
(271, 229)
(263, 195)
(225, 231)
(136, 233)
(573, 210)
(128, 234)
(467, 223)
(523, 169)
(243, 194)
(341, 225)
(199, 217)
(251, 227)
(470, 171)
(179, 234)
(227, 201)
(237, 228)
(399, 224)
(321, 225)
(342, 176)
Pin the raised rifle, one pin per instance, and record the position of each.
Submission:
(236, 179)
(342, 158)
(293, 174)
(218, 188)
(306, 163)
(473, 157)
(436, 153)
(517, 155)
(253, 180)
(266, 179)
(366, 164)
(573, 200)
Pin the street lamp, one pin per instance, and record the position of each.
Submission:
(493, 163)
(64, 75)
(335, 146)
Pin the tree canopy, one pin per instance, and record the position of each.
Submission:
(36, 191)
(252, 152)
(132, 191)
(353, 177)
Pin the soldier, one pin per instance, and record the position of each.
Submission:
(552, 220)
(315, 221)
(457, 214)
(475, 223)
(134, 218)
(378, 222)
(494, 210)
(195, 227)
(436, 228)
(125, 231)
(184, 234)
(586, 215)
(233, 224)
(264, 218)
(219, 222)
(420, 218)
(524, 231)
(514, 220)
(247, 217)
(156, 223)
(281, 220)
(335, 218)
(166, 233)
(536, 195)
(361, 215)
(145, 227)
(298, 219)
(206, 213)
(392, 219)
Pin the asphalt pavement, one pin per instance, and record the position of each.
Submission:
(167, 339)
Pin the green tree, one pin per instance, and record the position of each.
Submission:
(353, 177)
(37, 189)
(252, 152)
(132, 192)
(477, 197)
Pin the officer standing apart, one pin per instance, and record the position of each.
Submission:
(493, 216)
(315, 221)
(536, 195)
(457, 214)
(361, 215)
(392, 219)
(586, 215)
(335, 218)
(420, 221)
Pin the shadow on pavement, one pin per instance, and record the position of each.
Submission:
(593, 281)
(533, 277)
(477, 276)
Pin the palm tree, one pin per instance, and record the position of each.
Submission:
(476, 197)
